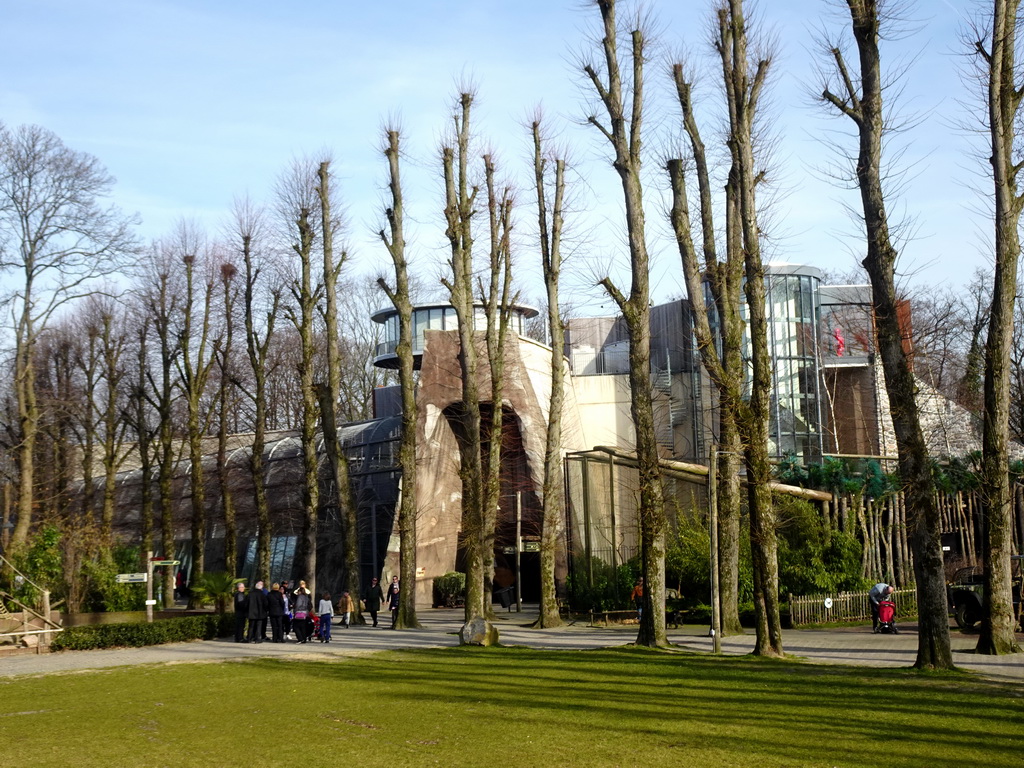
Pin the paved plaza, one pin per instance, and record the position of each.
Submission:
(848, 645)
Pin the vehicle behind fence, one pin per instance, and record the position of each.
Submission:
(846, 607)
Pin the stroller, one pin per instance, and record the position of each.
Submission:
(887, 618)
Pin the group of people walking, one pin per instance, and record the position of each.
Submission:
(375, 597)
(291, 615)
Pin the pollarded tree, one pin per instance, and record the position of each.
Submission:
(330, 389)
(721, 355)
(56, 239)
(460, 202)
(623, 131)
(298, 207)
(496, 297)
(401, 298)
(226, 405)
(744, 78)
(160, 299)
(261, 300)
(857, 93)
(198, 355)
(1005, 94)
(550, 221)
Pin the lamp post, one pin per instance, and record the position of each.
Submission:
(716, 611)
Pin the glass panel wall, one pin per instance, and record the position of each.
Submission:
(795, 422)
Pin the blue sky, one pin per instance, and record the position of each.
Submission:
(190, 104)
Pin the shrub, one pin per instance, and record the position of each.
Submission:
(140, 633)
(601, 587)
(812, 560)
(41, 563)
(216, 588)
(688, 567)
(450, 590)
(105, 594)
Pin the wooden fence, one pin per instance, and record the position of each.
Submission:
(845, 606)
(881, 525)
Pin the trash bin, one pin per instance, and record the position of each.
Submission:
(506, 597)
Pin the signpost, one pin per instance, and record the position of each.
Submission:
(131, 578)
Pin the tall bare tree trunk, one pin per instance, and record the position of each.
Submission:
(162, 306)
(195, 371)
(554, 488)
(306, 297)
(225, 402)
(459, 210)
(257, 341)
(863, 105)
(338, 463)
(623, 132)
(143, 436)
(1004, 101)
(112, 344)
(722, 356)
(400, 297)
(497, 308)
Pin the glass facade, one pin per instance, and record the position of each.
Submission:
(434, 318)
(793, 311)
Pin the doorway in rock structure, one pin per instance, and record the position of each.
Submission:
(517, 534)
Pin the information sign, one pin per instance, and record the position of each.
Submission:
(130, 578)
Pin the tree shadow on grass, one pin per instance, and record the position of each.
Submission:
(743, 707)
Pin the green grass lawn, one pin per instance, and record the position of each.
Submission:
(503, 707)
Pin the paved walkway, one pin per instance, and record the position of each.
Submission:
(836, 646)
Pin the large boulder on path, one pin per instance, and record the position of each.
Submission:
(478, 631)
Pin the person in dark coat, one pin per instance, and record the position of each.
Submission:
(393, 599)
(241, 612)
(259, 609)
(373, 598)
(286, 620)
(276, 611)
(302, 604)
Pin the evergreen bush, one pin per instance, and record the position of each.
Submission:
(813, 559)
(450, 590)
(138, 634)
(609, 588)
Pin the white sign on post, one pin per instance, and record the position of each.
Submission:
(130, 578)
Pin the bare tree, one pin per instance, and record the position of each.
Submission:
(744, 84)
(858, 94)
(330, 390)
(137, 418)
(1005, 93)
(112, 341)
(57, 237)
(496, 297)
(551, 194)
(298, 205)
(460, 201)
(259, 333)
(161, 302)
(400, 297)
(721, 354)
(226, 404)
(359, 298)
(623, 132)
(198, 355)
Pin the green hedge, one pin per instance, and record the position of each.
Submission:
(139, 633)
(450, 590)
